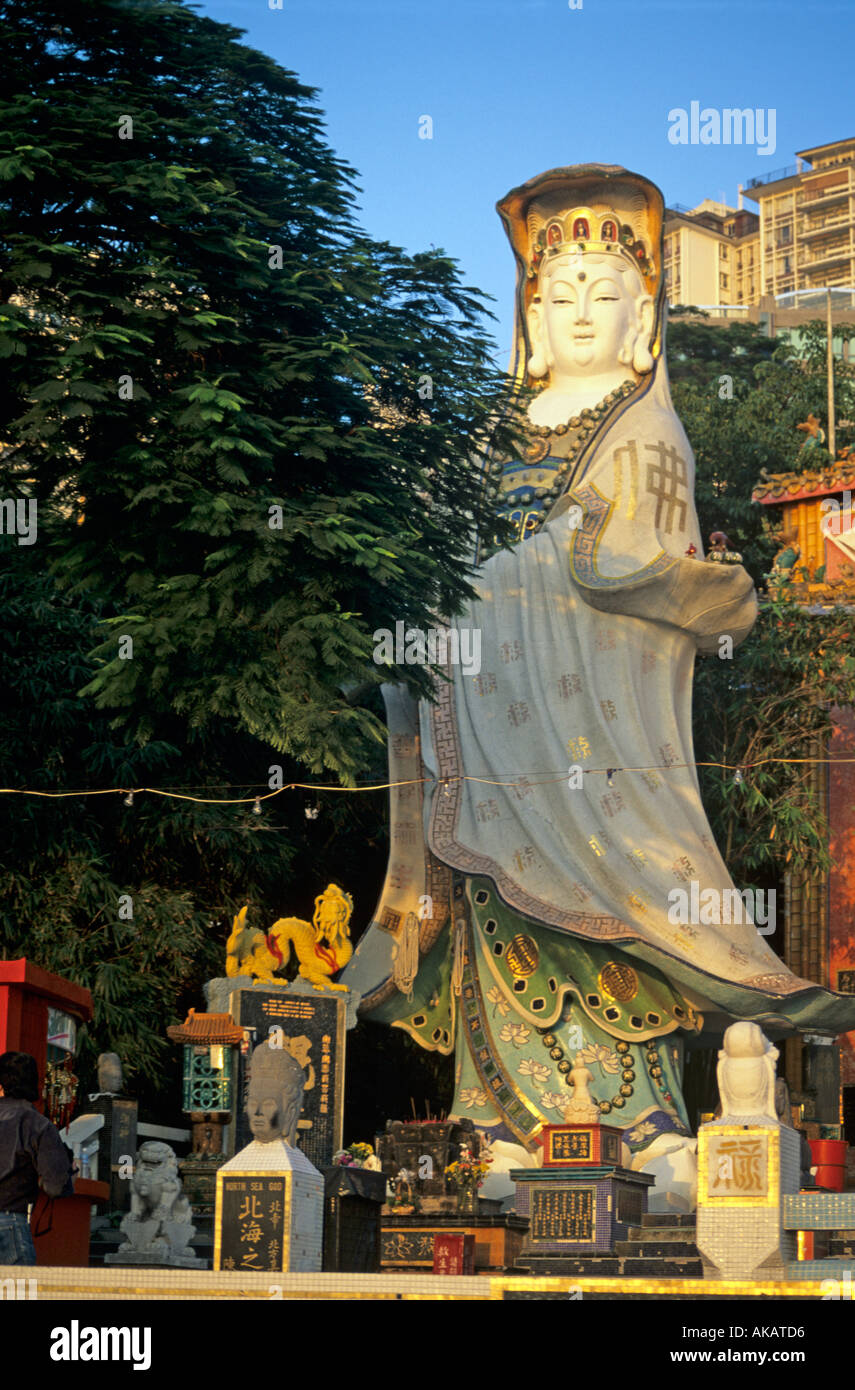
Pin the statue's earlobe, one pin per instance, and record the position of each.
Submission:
(642, 358)
(537, 363)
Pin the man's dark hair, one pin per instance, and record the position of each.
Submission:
(19, 1076)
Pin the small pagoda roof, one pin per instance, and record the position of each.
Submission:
(207, 1030)
(811, 482)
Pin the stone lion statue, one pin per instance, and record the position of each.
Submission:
(159, 1220)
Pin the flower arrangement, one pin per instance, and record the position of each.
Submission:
(355, 1156)
(467, 1171)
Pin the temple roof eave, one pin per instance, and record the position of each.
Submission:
(811, 483)
(208, 1030)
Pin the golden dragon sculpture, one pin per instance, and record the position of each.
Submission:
(323, 945)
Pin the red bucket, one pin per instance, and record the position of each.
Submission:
(829, 1155)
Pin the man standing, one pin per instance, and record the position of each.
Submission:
(30, 1151)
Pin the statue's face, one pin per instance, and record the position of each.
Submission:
(264, 1110)
(591, 318)
(588, 314)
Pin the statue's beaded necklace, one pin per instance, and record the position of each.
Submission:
(529, 486)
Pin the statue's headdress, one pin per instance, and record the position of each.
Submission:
(583, 230)
(585, 209)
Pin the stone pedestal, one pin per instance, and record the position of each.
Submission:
(270, 1211)
(744, 1171)
(163, 1259)
(580, 1210)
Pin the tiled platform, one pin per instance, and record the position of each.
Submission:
(823, 1269)
(819, 1211)
(86, 1285)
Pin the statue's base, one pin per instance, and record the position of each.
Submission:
(219, 991)
(573, 1144)
(139, 1257)
(747, 1165)
(579, 1211)
(270, 1211)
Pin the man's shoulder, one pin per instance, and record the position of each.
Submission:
(25, 1114)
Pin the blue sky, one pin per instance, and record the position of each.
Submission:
(514, 87)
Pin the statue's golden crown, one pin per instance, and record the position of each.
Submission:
(587, 232)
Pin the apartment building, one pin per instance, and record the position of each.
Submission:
(807, 220)
(712, 256)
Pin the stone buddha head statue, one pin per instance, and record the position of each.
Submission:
(589, 291)
(275, 1095)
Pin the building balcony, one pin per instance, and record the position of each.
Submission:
(825, 197)
(832, 256)
(776, 174)
(807, 232)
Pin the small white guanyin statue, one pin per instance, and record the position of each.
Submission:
(746, 1074)
(581, 1109)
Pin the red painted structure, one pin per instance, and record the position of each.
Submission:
(26, 994)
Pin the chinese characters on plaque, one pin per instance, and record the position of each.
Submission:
(568, 1143)
(252, 1222)
(738, 1167)
(561, 1213)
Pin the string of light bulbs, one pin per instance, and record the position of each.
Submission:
(540, 779)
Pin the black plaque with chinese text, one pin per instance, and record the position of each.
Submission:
(562, 1213)
(569, 1143)
(252, 1222)
(313, 1031)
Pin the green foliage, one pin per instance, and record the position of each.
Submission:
(249, 429)
(774, 699)
(270, 416)
(772, 702)
(735, 438)
(186, 867)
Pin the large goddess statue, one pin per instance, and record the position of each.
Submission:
(546, 807)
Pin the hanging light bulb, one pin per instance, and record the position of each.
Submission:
(738, 778)
(256, 806)
(312, 812)
(129, 799)
(610, 776)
